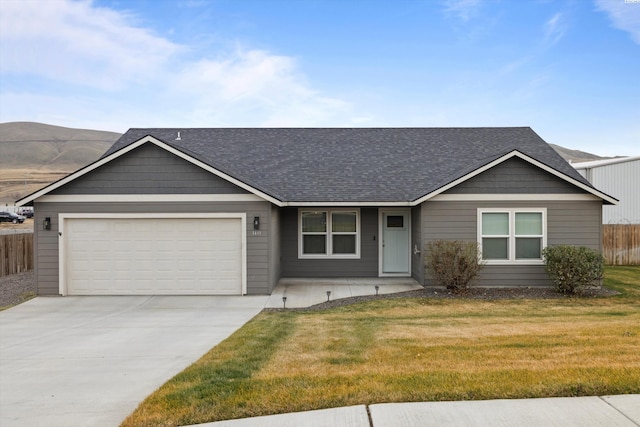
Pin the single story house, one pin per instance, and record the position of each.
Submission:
(232, 211)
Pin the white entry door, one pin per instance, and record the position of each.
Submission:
(396, 230)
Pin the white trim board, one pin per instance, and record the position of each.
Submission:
(147, 198)
(512, 197)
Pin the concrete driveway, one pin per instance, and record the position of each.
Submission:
(89, 361)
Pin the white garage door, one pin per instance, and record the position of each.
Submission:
(153, 256)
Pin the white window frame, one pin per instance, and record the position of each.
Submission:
(328, 235)
(511, 238)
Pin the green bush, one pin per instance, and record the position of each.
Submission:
(572, 268)
(453, 263)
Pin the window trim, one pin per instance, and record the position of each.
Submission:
(511, 238)
(329, 235)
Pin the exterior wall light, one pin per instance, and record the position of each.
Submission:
(46, 224)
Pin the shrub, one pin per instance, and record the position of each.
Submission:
(572, 268)
(453, 263)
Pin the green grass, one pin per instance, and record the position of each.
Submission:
(414, 349)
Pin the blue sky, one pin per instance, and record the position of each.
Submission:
(570, 69)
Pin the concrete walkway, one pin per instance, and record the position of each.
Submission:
(609, 411)
(307, 292)
(89, 361)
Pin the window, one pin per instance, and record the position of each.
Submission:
(512, 235)
(329, 233)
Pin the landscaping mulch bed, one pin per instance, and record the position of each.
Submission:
(473, 293)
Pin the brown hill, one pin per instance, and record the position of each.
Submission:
(33, 155)
(575, 156)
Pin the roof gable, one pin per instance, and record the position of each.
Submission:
(112, 155)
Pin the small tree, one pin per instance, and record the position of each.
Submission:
(453, 263)
(572, 268)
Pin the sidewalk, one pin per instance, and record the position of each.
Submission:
(609, 411)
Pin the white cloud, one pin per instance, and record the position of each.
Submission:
(462, 9)
(554, 29)
(257, 84)
(77, 43)
(624, 16)
(90, 61)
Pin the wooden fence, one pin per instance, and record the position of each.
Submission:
(621, 244)
(16, 253)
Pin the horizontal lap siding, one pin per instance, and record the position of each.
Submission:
(417, 264)
(258, 264)
(149, 170)
(514, 176)
(572, 223)
(366, 266)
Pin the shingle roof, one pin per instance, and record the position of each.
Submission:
(352, 164)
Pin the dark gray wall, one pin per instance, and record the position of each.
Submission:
(149, 170)
(514, 176)
(568, 222)
(417, 263)
(259, 276)
(274, 247)
(366, 266)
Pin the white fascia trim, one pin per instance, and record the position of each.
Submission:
(604, 162)
(347, 204)
(131, 147)
(62, 284)
(146, 198)
(526, 158)
(512, 197)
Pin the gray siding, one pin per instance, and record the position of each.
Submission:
(259, 276)
(274, 248)
(417, 263)
(149, 170)
(512, 177)
(366, 266)
(568, 222)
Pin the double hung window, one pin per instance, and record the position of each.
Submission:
(514, 235)
(329, 233)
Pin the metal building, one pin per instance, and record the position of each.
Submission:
(620, 178)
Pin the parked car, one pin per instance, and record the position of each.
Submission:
(11, 217)
(27, 213)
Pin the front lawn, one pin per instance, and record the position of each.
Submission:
(414, 349)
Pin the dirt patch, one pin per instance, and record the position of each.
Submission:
(25, 227)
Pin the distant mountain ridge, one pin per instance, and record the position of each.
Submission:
(32, 155)
(575, 156)
(40, 146)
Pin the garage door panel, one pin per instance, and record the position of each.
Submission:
(153, 256)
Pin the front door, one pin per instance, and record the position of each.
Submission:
(395, 243)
